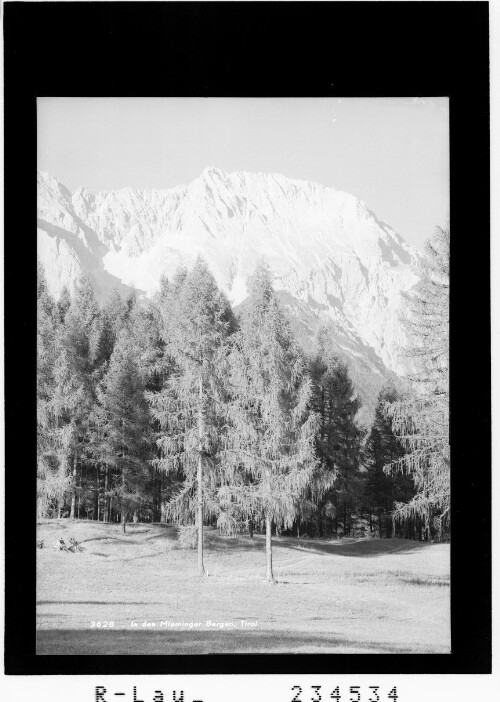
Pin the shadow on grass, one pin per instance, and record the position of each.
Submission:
(428, 582)
(358, 548)
(216, 542)
(165, 642)
(364, 548)
(109, 603)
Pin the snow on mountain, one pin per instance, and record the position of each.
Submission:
(66, 246)
(332, 259)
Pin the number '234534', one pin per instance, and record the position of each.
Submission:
(371, 693)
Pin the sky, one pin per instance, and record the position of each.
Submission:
(393, 153)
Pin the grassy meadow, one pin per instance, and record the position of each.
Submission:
(341, 596)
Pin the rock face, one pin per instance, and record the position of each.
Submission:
(331, 258)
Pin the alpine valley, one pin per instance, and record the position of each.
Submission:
(334, 263)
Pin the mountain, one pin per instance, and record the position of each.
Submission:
(333, 260)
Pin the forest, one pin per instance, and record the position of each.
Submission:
(173, 409)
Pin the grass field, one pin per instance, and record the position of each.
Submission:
(344, 596)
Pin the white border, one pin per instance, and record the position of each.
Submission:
(277, 688)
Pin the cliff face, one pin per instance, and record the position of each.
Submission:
(332, 260)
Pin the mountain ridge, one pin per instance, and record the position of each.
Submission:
(332, 259)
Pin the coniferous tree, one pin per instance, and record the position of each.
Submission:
(269, 456)
(338, 440)
(421, 420)
(196, 321)
(77, 367)
(52, 482)
(154, 365)
(63, 304)
(382, 491)
(71, 406)
(125, 425)
(116, 313)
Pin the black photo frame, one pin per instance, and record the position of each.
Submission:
(302, 49)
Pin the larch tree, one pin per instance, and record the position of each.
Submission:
(154, 365)
(77, 359)
(125, 424)
(421, 420)
(268, 457)
(63, 304)
(196, 322)
(116, 313)
(52, 481)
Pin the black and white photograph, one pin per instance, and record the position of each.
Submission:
(247, 359)
(242, 376)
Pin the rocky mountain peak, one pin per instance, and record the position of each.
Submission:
(332, 259)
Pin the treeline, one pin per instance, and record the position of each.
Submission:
(172, 409)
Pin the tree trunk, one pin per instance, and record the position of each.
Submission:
(105, 516)
(163, 504)
(79, 498)
(154, 497)
(96, 494)
(73, 496)
(250, 528)
(426, 529)
(269, 554)
(298, 528)
(201, 431)
(155, 516)
(123, 515)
